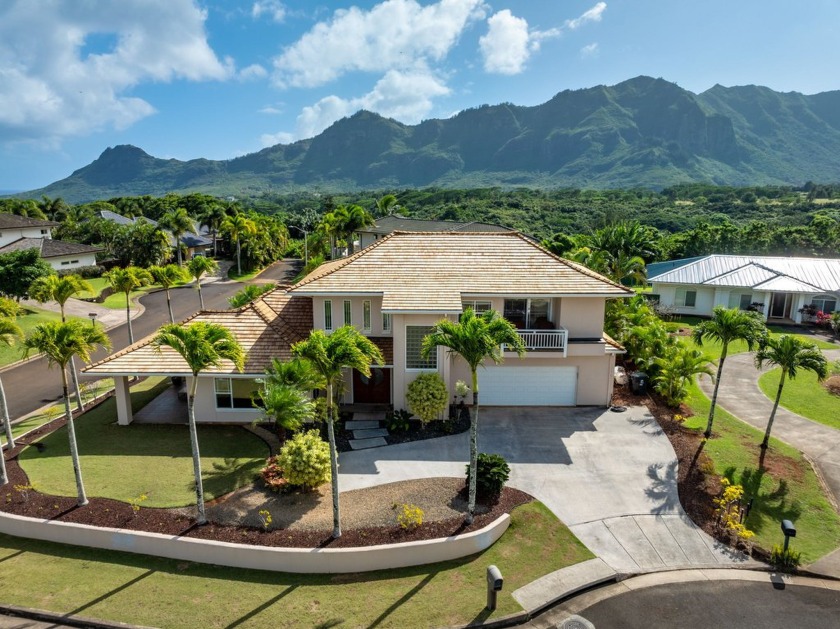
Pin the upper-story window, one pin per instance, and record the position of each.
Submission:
(366, 316)
(386, 322)
(414, 335)
(348, 312)
(477, 306)
(686, 297)
(328, 324)
(531, 314)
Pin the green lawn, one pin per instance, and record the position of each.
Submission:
(98, 283)
(164, 593)
(804, 395)
(116, 301)
(789, 490)
(122, 462)
(27, 322)
(712, 349)
(245, 276)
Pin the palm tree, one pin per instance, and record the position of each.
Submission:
(384, 205)
(725, 326)
(124, 281)
(168, 276)
(476, 337)
(791, 354)
(212, 216)
(197, 267)
(60, 342)
(351, 219)
(9, 333)
(201, 345)
(60, 289)
(329, 355)
(677, 371)
(287, 405)
(237, 227)
(178, 222)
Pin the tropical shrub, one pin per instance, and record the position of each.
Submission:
(305, 460)
(397, 421)
(728, 510)
(493, 473)
(272, 475)
(409, 517)
(427, 397)
(676, 371)
(85, 272)
(785, 560)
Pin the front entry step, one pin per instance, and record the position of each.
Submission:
(361, 425)
(367, 434)
(364, 444)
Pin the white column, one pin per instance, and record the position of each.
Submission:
(123, 393)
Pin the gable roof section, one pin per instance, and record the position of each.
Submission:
(13, 221)
(263, 332)
(49, 248)
(792, 275)
(395, 222)
(429, 272)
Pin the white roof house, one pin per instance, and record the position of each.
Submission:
(781, 288)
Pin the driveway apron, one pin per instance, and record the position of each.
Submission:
(611, 477)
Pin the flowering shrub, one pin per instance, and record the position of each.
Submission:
(427, 397)
(785, 560)
(409, 517)
(728, 510)
(823, 319)
(305, 460)
(272, 474)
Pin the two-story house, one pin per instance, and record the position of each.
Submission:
(18, 233)
(394, 291)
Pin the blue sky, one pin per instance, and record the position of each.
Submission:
(221, 78)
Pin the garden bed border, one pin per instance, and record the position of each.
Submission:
(276, 559)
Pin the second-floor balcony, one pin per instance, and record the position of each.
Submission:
(545, 340)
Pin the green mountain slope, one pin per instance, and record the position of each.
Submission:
(643, 132)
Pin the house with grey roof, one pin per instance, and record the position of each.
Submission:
(18, 233)
(783, 289)
(195, 243)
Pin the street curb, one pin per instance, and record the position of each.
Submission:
(64, 619)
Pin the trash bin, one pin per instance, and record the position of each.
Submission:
(639, 382)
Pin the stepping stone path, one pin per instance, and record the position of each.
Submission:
(367, 431)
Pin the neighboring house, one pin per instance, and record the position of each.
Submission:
(18, 233)
(782, 289)
(394, 292)
(396, 223)
(194, 243)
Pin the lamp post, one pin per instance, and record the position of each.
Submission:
(92, 316)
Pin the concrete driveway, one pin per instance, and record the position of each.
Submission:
(611, 477)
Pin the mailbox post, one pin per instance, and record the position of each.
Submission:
(789, 530)
(495, 581)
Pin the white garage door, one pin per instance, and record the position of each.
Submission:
(527, 386)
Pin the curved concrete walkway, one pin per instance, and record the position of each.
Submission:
(740, 394)
(611, 477)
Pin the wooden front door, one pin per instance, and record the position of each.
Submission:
(373, 390)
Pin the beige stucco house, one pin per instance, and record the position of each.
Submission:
(18, 233)
(394, 291)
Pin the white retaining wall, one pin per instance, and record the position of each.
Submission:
(299, 560)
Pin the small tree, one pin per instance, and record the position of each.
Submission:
(238, 227)
(167, 277)
(305, 459)
(675, 373)
(19, 269)
(198, 267)
(427, 397)
(124, 281)
(178, 222)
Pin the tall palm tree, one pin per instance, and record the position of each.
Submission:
(476, 337)
(202, 345)
(197, 267)
(178, 222)
(238, 227)
(351, 219)
(792, 355)
(60, 342)
(725, 326)
(9, 333)
(346, 348)
(167, 277)
(60, 289)
(384, 205)
(124, 281)
(212, 216)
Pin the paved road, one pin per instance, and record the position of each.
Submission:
(694, 600)
(610, 477)
(31, 385)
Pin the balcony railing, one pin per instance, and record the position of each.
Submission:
(554, 340)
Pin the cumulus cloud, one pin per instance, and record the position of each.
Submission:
(590, 50)
(405, 95)
(509, 43)
(592, 15)
(271, 8)
(395, 34)
(53, 84)
(252, 72)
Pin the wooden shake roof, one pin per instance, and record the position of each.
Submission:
(430, 271)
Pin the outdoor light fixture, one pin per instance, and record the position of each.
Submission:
(92, 316)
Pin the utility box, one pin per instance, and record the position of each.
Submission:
(639, 382)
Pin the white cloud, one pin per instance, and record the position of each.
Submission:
(592, 15)
(252, 72)
(52, 87)
(404, 95)
(272, 8)
(509, 43)
(395, 34)
(590, 50)
(270, 110)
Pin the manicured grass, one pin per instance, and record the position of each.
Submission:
(27, 321)
(164, 593)
(789, 490)
(116, 301)
(713, 349)
(98, 283)
(804, 395)
(122, 462)
(245, 276)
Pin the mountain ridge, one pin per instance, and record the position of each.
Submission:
(642, 132)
